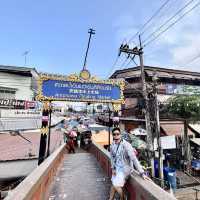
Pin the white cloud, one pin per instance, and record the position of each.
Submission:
(177, 46)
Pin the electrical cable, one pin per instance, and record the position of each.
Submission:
(122, 65)
(149, 20)
(193, 59)
(172, 24)
(113, 66)
(150, 26)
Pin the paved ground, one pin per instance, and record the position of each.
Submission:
(187, 193)
(80, 178)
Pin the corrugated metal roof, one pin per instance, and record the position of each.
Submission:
(16, 148)
(18, 70)
(161, 72)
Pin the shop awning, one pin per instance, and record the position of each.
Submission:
(196, 141)
(164, 98)
(174, 128)
(195, 127)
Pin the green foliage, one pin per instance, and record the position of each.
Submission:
(187, 107)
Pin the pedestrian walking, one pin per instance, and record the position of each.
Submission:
(70, 144)
(123, 159)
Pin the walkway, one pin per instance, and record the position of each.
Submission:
(80, 178)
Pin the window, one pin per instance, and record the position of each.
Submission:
(7, 94)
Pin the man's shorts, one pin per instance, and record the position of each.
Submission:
(119, 179)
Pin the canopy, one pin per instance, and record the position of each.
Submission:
(97, 127)
(138, 143)
(82, 128)
(73, 123)
(102, 137)
(138, 131)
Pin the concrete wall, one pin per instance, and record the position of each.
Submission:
(22, 84)
(37, 185)
(14, 169)
(136, 187)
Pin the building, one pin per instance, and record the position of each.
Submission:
(170, 83)
(18, 82)
(18, 88)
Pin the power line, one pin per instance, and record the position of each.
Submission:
(122, 65)
(115, 63)
(166, 22)
(194, 59)
(149, 20)
(146, 23)
(181, 17)
(113, 66)
(165, 11)
(131, 59)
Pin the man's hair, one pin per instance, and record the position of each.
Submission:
(116, 129)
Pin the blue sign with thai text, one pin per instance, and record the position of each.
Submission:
(70, 90)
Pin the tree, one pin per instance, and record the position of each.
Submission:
(186, 107)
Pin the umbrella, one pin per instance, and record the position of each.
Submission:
(81, 128)
(101, 137)
(138, 131)
(126, 136)
(73, 123)
(73, 134)
(137, 143)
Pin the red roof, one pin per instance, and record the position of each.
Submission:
(15, 147)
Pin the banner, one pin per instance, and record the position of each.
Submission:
(17, 104)
(77, 90)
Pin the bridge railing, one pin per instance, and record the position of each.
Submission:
(37, 185)
(136, 187)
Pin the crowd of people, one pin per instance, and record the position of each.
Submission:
(76, 134)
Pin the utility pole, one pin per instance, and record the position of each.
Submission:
(157, 126)
(109, 126)
(139, 52)
(187, 155)
(91, 32)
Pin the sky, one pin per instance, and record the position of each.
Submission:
(56, 34)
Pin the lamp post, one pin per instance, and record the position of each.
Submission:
(49, 133)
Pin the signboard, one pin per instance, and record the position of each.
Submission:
(12, 103)
(182, 89)
(167, 142)
(73, 88)
(17, 104)
(5, 113)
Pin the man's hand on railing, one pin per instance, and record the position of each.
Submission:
(113, 172)
(145, 177)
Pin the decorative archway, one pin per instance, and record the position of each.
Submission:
(75, 88)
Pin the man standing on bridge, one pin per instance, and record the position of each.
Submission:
(122, 160)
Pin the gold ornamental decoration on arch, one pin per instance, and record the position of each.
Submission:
(80, 88)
